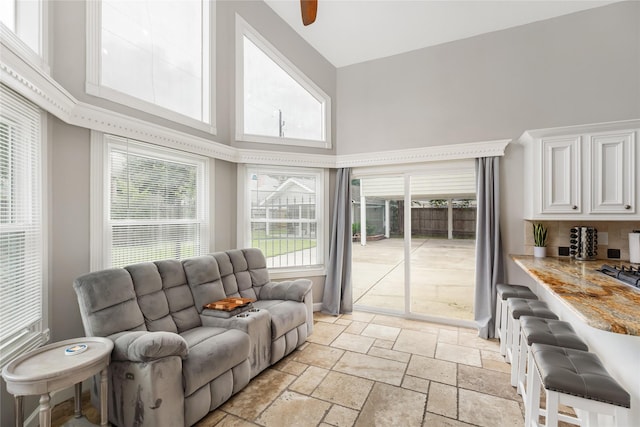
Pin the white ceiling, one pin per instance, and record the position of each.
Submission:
(351, 31)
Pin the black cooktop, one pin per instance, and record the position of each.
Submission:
(628, 275)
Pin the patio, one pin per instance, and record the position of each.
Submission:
(442, 276)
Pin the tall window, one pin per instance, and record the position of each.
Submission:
(153, 55)
(276, 102)
(21, 234)
(284, 211)
(24, 18)
(156, 204)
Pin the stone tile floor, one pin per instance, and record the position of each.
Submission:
(374, 370)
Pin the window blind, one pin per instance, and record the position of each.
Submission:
(21, 235)
(156, 206)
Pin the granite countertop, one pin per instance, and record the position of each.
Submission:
(599, 300)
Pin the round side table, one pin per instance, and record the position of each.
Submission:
(48, 368)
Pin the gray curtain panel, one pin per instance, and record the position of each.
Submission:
(338, 296)
(489, 268)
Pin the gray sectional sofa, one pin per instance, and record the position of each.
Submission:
(174, 361)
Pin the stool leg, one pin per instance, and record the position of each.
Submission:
(515, 350)
(504, 327)
(532, 401)
(622, 416)
(496, 332)
(552, 409)
(522, 366)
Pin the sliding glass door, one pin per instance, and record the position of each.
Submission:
(417, 256)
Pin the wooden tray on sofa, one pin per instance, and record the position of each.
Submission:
(229, 304)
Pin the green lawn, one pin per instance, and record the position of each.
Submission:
(275, 247)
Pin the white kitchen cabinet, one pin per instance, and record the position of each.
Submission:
(560, 177)
(586, 172)
(613, 173)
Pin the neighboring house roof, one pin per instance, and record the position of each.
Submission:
(286, 187)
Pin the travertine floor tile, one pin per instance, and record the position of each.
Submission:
(383, 344)
(389, 354)
(261, 391)
(353, 342)
(458, 354)
(494, 361)
(356, 327)
(318, 355)
(293, 409)
(443, 400)
(416, 384)
(488, 411)
(399, 322)
(448, 336)
(345, 390)
(291, 366)
(340, 416)
(373, 368)
(469, 338)
(212, 419)
(325, 333)
(416, 342)
(487, 381)
(433, 420)
(343, 322)
(381, 332)
(432, 369)
(323, 317)
(309, 380)
(233, 421)
(358, 316)
(392, 406)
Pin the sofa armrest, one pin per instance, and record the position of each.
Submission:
(143, 346)
(292, 290)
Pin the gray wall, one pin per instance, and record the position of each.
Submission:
(576, 69)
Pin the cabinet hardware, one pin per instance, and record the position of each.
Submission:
(574, 207)
(627, 206)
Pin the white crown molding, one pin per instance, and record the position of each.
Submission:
(425, 154)
(263, 157)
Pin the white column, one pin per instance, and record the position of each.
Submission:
(363, 216)
(450, 218)
(387, 221)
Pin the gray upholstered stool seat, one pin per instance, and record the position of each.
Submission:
(503, 293)
(516, 308)
(537, 330)
(576, 378)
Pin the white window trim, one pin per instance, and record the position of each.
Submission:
(40, 333)
(244, 29)
(93, 69)
(37, 59)
(244, 220)
(100, 236)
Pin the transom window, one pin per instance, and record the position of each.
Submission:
(155, 206)
(156, 52)
(284, 215)
(276, 102)
(24, 19)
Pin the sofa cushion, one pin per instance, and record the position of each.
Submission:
(107, 300)
(285, 315)
(179, 297)
(151, 297)
(143, 346)
(212, 351)
(204, 280)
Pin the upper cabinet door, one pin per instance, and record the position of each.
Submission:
(613, 174)
(560, 175)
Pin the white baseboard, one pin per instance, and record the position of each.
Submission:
(317, 306)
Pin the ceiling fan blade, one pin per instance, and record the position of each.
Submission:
(309, 10)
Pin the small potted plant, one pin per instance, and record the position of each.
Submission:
(539, 240)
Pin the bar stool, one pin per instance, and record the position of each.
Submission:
(575, 378)
(518, 307)
(503, 293)
(537, 330)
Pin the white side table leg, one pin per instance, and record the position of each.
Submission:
(103, 397)
(45, 410)
(18, 411)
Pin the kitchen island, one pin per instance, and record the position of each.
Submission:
(602, 310)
